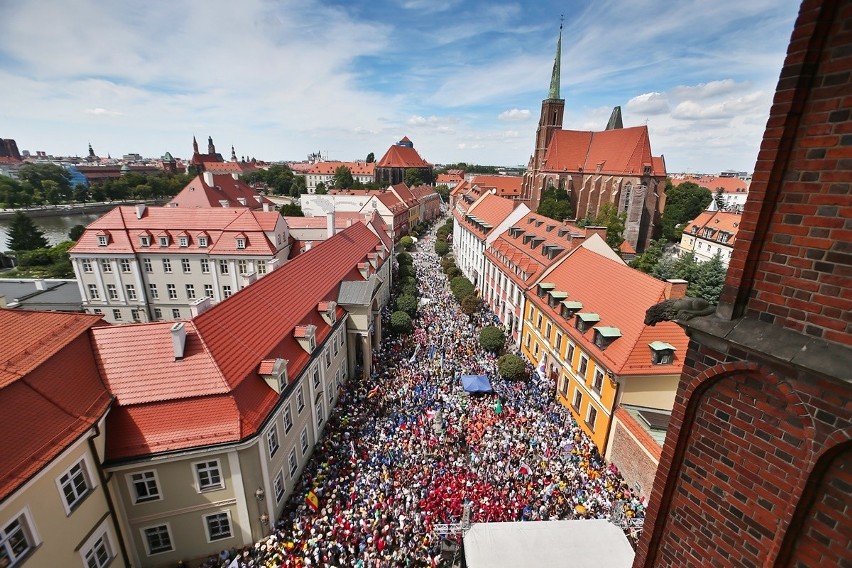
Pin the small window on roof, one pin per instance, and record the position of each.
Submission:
(605, 335)
(164, 241)
(102, 240)
(145, 240)
(585, 321)
(183, 241)
(662, 353)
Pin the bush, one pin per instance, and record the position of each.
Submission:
(408, 290)
(400, 323)
(407, 303)
(407, 242)
(511, 367)
(404, 258)
(442, 234)
(407, 270)
(492, 338)
(461, 287)
(453, 272)
(471, 304)
(407, 280)
(441, 248)
(446, 262)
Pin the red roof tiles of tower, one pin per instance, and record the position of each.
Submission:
(225, 188)
(402, 157)
(620, 151)
(49, 386)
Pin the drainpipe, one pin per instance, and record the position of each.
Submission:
(615, 401)
(110, 503)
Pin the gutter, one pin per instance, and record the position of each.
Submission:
(110, 504)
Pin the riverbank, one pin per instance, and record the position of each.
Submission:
(65, 210)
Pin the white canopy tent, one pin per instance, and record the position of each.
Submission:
(555, 544)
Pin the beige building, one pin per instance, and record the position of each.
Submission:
(139, 264)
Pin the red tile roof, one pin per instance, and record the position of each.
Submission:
(402, 157)
(726, 184)
(328, 168)
(717, 222)
(225, 188)
(506, 186)
(449, 180)
(489, 208)
(619, 151)
(619, 295)
(221, 225)
(50, 387)
(216, 393)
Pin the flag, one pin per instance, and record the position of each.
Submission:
(498, 408)
(373, 392)
(524, 469)
(312, 500)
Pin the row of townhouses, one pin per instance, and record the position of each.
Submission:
(573, 306)
(145, 444)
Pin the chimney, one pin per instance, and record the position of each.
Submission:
(330, 220)
(208, 178)
(40, 284)
(249, 278)
(308, 245)
(235, 175)
(178, 339)
(596, 231)
(266, 207)
(676, 288)
(271, 265)
(199, 306)
(140, 210)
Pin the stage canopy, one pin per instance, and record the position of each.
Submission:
(555, 544)
(476, 383)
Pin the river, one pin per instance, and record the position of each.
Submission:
(55, 228)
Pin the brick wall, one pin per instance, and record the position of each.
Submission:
(629, 451)
(793, 259)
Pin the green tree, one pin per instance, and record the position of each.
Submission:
(664, 269)
(400, 323)
(407, 270)
(371, 158)
(37, 174)
(76, 232)
(719, 198)
(444, 191)
(453, 271)
(461, 287)
(407, 242)
(555, 204)
(320, 189)
(291, 210)
(709, 280)
(409, 289)
(684, 202)
(686, 267)
(24, 235)
(52, 192)
(441, 248)
(412, 177)
(404, 258)
(609, 217)
(652, 255)
(511, 367)
(406, 303)
(342, 178)
(492, 338)
(471, 304)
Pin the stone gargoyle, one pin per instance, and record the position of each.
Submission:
(681, 309)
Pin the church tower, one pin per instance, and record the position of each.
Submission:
(552, 110)
(211, 149)
(194, 146)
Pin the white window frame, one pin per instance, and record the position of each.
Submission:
(190, 291)
(583, 367)
(261, 266)
(125, 265)
(106, 265)
(152, 290)
(303, 440)
(205, 266)
(197, 475)
(185, 266)
(158, 314)
(149, 266)
(130, 289)
(27, 530)
(320, 411)
(315, 377)
(241, 243)
(167, 265)
(591, 423)
(595, 386)
(224, 267)
(300, 400)
(175, 313)
(183, 241)
(144, 533)
(86, 265)
(575, 403)
(208, 290)
(209, 535)
(94, 293)
(242, 266)
(288, 418)
(104, 537)
(202, 242)
(144, 241)
(80, 496)
(292, 463)
(102, 240)
(172, 291)
(131, 484)
(116, 314)
(272, 443)
(226, 291)
(112, 292)
(278, 485)
(164, 241)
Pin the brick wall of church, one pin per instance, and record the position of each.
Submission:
(799, 213)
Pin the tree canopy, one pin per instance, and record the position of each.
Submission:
(407, 303)
(412, 177)
(441, 248)
(342, 178)
(461, 287)
(24, 235)
(467, 168)
(76, 232)
(492, 338)
(371, 158)
(511, 367)
(471, 304)
(684, 202)
(400, 323)
(555, 204)
(291, 210)
(280, 180)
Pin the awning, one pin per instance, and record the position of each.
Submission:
(476, 383)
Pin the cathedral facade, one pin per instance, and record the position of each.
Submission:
(614, 165)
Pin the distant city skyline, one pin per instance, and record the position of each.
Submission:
(464, 80)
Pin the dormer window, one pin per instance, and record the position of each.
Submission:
(202, 242)
(183, 241)
(544, 288)
(662, 353)
(241, 243)
(145, 240)
(569, 308)
(102, 240)
(585, 321)
(555, 297)
(306, 336)
(605, 335)
(164, 241)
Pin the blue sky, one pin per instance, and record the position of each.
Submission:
(463, 79)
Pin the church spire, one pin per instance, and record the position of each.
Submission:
(557, 65)
(194, 145)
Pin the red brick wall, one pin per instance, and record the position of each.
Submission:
(792, 263)
(628, 455)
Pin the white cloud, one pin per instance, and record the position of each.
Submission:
(469, 146)
(437, 122)
(729, 108)
(648, 103)
(515, 114)
(98, 111)
(706, 90)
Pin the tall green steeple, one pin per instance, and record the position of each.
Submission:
(557, 65)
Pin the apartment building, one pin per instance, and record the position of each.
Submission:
(584, 326)
(140, 264)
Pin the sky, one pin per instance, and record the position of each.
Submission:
(464, 80)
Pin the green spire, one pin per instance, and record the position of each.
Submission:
(557, 64)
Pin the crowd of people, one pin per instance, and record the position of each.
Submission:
(407, 449)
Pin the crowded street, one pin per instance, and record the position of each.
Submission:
(407, 448)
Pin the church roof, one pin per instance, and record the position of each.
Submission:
(197, 193)
(624, 151)
(402, 156)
